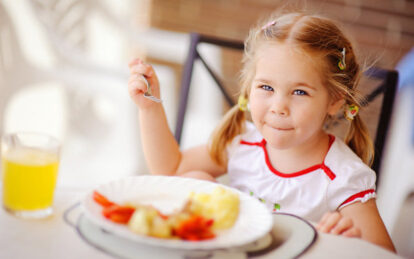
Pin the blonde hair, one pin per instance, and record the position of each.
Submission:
(315, 35)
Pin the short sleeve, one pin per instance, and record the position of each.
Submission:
(354, 183)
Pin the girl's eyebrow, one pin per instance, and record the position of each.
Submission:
(306, 85)
(261, 80)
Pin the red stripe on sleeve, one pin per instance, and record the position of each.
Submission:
(356, 196)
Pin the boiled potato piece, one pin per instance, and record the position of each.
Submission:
(221, 204)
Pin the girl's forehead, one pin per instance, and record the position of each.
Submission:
(287, 60)
(287, 51)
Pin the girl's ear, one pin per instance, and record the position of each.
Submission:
(335, 106)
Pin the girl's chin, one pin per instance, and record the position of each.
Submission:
(282, 134)
(279, 143)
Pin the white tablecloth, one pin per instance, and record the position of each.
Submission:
(54, 238)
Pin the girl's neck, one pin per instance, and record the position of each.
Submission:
(295, 159)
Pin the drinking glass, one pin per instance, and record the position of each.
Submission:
(30, 164)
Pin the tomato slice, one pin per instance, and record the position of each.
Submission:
(102, 200)
(117, 209)
(195, 228)
(120, 218)
(118, 214)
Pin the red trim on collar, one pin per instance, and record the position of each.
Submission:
(322, 166)
(260, 144)
(356, 196)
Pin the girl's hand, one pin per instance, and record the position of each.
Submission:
(137, 86)
(337, 224)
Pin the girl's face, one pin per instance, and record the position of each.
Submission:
(288, 100)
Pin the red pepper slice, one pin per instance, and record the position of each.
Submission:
(112, 211)
(102, 200)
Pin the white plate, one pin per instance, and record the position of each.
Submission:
(168, 193)
(290, 237)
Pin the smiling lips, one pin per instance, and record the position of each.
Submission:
(281, 128)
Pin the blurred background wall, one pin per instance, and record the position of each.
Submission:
(63, 71)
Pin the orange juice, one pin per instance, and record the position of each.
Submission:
(29, 179)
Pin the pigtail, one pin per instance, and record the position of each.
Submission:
(231, 125)
(359, 141)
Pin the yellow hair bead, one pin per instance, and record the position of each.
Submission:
(243, 103)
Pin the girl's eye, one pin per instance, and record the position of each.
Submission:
(266, 87)
(300, 92)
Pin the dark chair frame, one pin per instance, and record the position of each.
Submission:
(388, 87)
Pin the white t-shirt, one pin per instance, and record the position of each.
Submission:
(340, 180)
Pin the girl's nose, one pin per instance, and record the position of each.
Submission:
(280, 106)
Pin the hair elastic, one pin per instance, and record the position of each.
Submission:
(243, 103)
(341, 63)
(271, 23)
(351, 111)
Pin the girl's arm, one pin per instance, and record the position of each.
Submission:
(358, 220)
(366, 217)
(161, 150)
(198, 159)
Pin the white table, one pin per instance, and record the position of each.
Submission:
(54, 238)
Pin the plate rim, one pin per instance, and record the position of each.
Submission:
(315, 232)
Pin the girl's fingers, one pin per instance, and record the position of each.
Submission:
(133, 62)
(352, 232)
(135, 91)
(138, 68)
(137, 83)
(330, 222)
(343, 225)
(334, 223)
(136, 78)
(323, 220)
(142, 69)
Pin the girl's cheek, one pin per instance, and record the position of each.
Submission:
(253, 113)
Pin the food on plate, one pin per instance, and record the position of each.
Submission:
(147, 220)
(221, 205)
(112, 211)
(200, 216)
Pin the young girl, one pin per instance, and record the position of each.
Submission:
(299, 70)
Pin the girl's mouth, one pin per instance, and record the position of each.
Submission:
(281, 128)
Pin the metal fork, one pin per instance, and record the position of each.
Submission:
(148, 94)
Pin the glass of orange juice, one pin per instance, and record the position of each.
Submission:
(30, 164)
